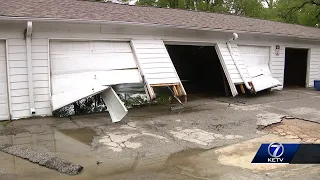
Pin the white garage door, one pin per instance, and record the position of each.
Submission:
(83, 68)
(256, 58)
(4, 113)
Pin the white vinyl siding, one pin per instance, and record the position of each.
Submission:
(4, 106)
(42, 32)
(40, 72)
(314, 66)
(18, 69)
(277, 64)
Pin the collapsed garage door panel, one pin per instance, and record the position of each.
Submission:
(256, 59)
(74, 81)
(75, 64)
(230, 65)
(253, 62)
(4, 115)
(154, 61)
(62, 99)
(86, 56)
(156, 66)
(84, 68)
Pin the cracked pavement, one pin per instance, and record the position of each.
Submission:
(154, 135)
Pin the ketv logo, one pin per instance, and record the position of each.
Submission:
(275, 153)
(275, 150)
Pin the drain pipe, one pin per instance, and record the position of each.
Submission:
(28, 35)
(235, 37)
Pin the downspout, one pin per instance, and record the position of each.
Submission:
(235, 37)
(28, 35)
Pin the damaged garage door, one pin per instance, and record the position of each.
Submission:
(84, 68)
(156, 67)
(256, 59)
(253, 62)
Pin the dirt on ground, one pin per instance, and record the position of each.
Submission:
(306, 131)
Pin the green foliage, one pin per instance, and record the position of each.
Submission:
(249, 8)
(304, 12)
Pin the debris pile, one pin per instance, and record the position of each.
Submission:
(44, 159)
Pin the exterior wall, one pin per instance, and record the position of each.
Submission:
(17, 72)
(314, 65)
(44, 32)
(277, 63)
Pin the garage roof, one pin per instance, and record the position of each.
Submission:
(79, 10)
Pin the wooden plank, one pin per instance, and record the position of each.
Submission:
(176, 93)
(180, 91)
(242, 89)
(159, 85)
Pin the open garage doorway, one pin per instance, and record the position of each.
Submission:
(199, 69)
(295, 71)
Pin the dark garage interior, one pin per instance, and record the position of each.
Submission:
(295, 71)
(199, 69)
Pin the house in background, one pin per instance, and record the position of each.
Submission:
(55, 52)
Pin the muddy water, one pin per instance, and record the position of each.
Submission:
(84, 135)
(74, 146)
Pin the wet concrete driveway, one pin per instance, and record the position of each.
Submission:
(213, 138)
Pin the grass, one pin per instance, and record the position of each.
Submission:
(4, 123)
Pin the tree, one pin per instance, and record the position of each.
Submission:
(269, 3)
(249, 8)
(304, 12)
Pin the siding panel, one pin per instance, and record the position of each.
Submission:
(314, 73)
(41, 76)
(18, 77)
(277, 64)
(4, 106)
(41, 91)
(19, 92)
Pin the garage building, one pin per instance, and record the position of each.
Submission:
(55, 52)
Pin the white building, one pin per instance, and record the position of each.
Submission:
(54, 52)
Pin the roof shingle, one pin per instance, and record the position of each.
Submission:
(109, 12)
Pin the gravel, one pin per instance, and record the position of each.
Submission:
(44, 159)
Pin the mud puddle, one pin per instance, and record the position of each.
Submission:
(104, 164)
(74, 146)
(292, 128)
(84, 135)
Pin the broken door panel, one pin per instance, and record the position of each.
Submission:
(116, 108)
(77, 66)
(256, 59)
(155, 66)
(263, 82)
(62, 99)
(229, 67)
(84, 68)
